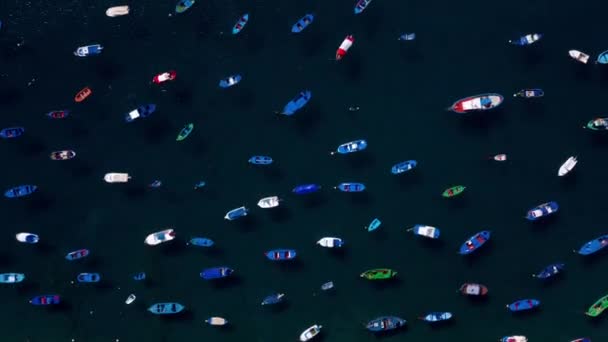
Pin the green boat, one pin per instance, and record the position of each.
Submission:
(453, 191)
(598, 124)
(598, 307)
(379, 274)
(183, 134)
(183, 5)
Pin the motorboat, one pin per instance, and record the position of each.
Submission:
(117, 11)
(88, 50)
(528, 39)
(579, 56)
(477, 103)
(602, 58)
(598, 124)
(567, 166)
(310, 333)
(542, 210)
(130, 299)
(347, 43)
(164, 77)
(219, 321)
(331, 242)
(116, 177)
(426, 231)
(230, 81)
(160, 237)
(140, 112)
(269, 202)
(62, 155)
(375, 224)
(594, 246)
(500, 157)
(236, 213)
(27, 238)
(351, 147)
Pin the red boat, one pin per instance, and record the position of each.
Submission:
(58, 114)
(164, 77)
(477, 103)
(343, 48)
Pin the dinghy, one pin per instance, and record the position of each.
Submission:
(201, 242)
(598, 307)
(474, 242)
(88, 278)
(219, 321)
(240, 24)
(216, 272)
(426, 231)
(11, 278)
(281, 254)
(183, 5)
(403, 166)
(274, 298)
(164, 77)
(361, 5)
(500, 157)
(375, 224)
(46, 300)
(20, 191)
(140, 112)
(453, 191)
(62, 155)
(351, 147)
(550, 271)
(327, 286)
(78, 254)
(260, 160)
(567, 166)
(594, 245)
(269, 202)
(58, 114)
(579, 56)
(303, 23)
(116, 177)
(523, 305)
(477, 103)
(117, 11)
(602, 58)
(347, 43)
(434, 317)
(306, 189)
(379, 274)
(297, 103)
(27, 238)
(528, 39)
(185, 132)
(160, 237)
(385, 323)
(166, 308)
(529, 93)
(236, 213)
(310, 333)
(330, 242)
(83, 94)
(11, 132)
(350, 187)
(130, 299)
(598, 124)
(515, 338)
(542, 210)
(473, 289)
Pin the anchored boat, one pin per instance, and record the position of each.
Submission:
(523, 305)
(515, 338)
(435, 317)
(185, 132)
(350, 187)
(306, 189)
(88, 50)
(201, 242)
(361, 5)
(598, 124)
(550, 271)
(46, 300)
(579, 56)
(160, 237)
(117, 11)
(236, 213)
(426, 231)
(473, 289)
(219, 321)
(269, 202)
(78, 254)
(140, 112)
(453, 191)
(11, 132)
(88, 278)
(567, 166)
(310, 333)
(297, 103)
(116, 177)
(230, 81)
(240, 24)
(11, 278)
(477, 103)
(27, 238)
(166, 308)
(375, 224)
(183, 5)
(83, 94)
(379, 274)
(164, 77)
(385, 323)
(594, 245)
(528, 39)
(58, 114)
(331, 242)
(280, 254)
(598, 307)
(542, 210)
(216, 273)
(303, 23)
(602, 58)
(273, 299)
(260, 160)
(347, 43)
(529, 93)
(474, 242)
(62, 155)
(20, 191)
(403, 166)
(351, 147)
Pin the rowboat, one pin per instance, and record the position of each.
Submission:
(474, 242)
(216, 321)
(385, 323)
(303, 23)
(361, 5)
(542, 210)
(403, 166)
(306, 189)
(77, 254)
(375, 224)
(27, 238)
(598, 124)
(164, 77)
(117, 11)
(579, 56)
(515, 338)
(529, 93)
(156, 184)
(594, 245)
(477, 103)
(58, 114)
(269, 202)
(350, 187)
(183, 5)
(140, 112)
(567, 166)
(347, 43)
(216, 272)
(523, 305)
(426, 231)
(160, 237)
(500, 157)
(166, 308)
(183, 134)
(62, 155)
(139, 276)
(351, 147)
(88, 278)
(582, 339)
(201, 242)
(453, 191)
(527, 39)
(240, 24)
(434, 317)
(274, 298)
(602, 58)
(230, 81)
(88, 50)
(378, 274)
(20, 191)
(311, 332)
(327, 286)
(297, 103)
(83, 94)
(473, 289)
(130, 299)
(116, 177)
(331, 242)
(11, 132)
(550, 271)
(280, 254)
(199, 185)
(407, 36)
(260, 160)
(46, 300)
(236, 213)
(598, 307)
(11, 278)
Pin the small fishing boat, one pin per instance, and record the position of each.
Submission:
(117, 11)
(303, 23)
(62, 155)
(579, 56)
(474, 242)
(598, 307)
(477, 103)
(351, 147)
(550, 271)
(77, 254)
(529, 93)
(594, 245)
(407, 36)
(385, 323)
(219, 321)
(310, 333)
(515, 338)
(160, 237)
(166, 308)
(500, 157)
(83, 94)
(473, 289)
(20, 191)
(116, 177)
(88, 278)
(523, 305)
(567, 166)
(327, 286)
(350, 187)
(297, 103)
(361, 5)
(582, 339)
(201, 242)
(185, 132)
(280, 254)
(542, 210)
(269, 202)
(156, 184)
(58, 114)
(183, 5)
(11, 278)
(27, 238)
(130, 299)
(230, 81)
(260, 160)
(347, 43)
(602, 58)
(240, 24)
(375, 224)
(331, 242)
(306, 189)
(88, 50)
(139, 276)
(236, 213)
(434, 317)
(199, 185)
(426, 231)
(216, 273)
(140, 112)
(164, 77)
(528, 39)
(274, 298)
(46, 300)
(598, 124)
(379, 274)
(403, 166)
(11, 132)
(453, 191)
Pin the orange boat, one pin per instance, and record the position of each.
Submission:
(83, 94)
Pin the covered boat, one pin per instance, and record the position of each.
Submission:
(236, 213)
(594, 245)
(602, 58)
(164, 77)
(216, 272)
(542, 210)
(473, 289)
(240, 24)
(379, 274)
(579, 56)
(331, 242)
(303, 23)
(598, 307)
(598, 124)
(269, 202)
(27, 238)
(185, 132)
(88, 278)
(219, 321)
(58, 114)
(297, 103)
(230, 81)
(11, 132)
(88, 50)
(523, 305)
(62, 155)
(201, 242)
(274, 298)
(403, 166)
(117, 11)
(474, 242)
(385, 323)
(350, 187)
(260, 160)
(347, 43)
(140, 112)
(306, 189)
(83, 94)
(529, 93)
(20, 191)
(434, 317)
(528, 39)
(351, 147)
(46, 300)
(116, 177)
(183, 5)
(567, 166)
(515, 338)
(477, 103)
(375, 224)
(361, 5)
(426, 231)
(280, 254)
(77, 254)
(160, 237)
(166, 308)
(310, 333)
(550, 271)
(453, 191)
(11, 278)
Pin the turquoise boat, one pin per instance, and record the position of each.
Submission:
(240, 24)
(183, 5)
(185, 132)
(603, 58)
(11, 278)
(166, 308)
(375, 224)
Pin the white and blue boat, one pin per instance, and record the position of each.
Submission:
(140, 112)
(20, 191)
(303, 23)
(27, 238)
(426, 231)
(260, 160)
(331, 242)
(361, 5)
(407, 36)
(528, 39)
(550, 271)
(274, 298)
(602, 58)
(88, 278)
(88, 50)
(240, 24)
(166, 308)
(236, 213)
(230, 81)
(529, 93)
(434, 317)
(297, 103)
(542, 210)
(11, 278)
(350, 187)
(351, 147)
(375, 224)
(201, 242)
(403, 166)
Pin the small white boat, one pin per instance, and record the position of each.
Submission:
(579, 56)
(567, 166)
(130, 299)
(27, 238)
(426, 231)
(330, 242)
(311, 332)
(216, 321)
(117, 11)
(116, 177)
(269, 202)
(516, 338)
(160, 237)
(500, 157)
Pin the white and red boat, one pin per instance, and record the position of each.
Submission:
(343, 48)
(160, 237)
(164, 77)
(500, 157)
(477, 103)
(579, 56)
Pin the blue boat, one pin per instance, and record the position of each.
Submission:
(280, 254)
(88, 278)
(594, 245)
(27, 238)
(274, 298)
(230, 81)
(542, 210)
(350, 187)
(523, 305)
(88, 50)
(20, 191)
(351, 147)
(11, 278)
(140, 112)
(139, 276)
(474, 242)
(240, 24)
(202, 242)
(183, 5)
(361, 5)
(550, 271)
(79, 254)
(260, 160)
(436, 317)
(426, 231)
(403, 166)
(303, 23)
(385, 323)
(216, 272)
(529, 93)
(375, 224)
(602, 58)
(156, 184)
(407, 36)
(11, 132)
(166, 308)
(297, 103)
(527, 39)
(306, 189)
(236, 213)
(46, 300)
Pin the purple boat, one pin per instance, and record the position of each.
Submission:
(523, 305)
(46, 300)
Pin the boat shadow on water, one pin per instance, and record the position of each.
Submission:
(544, 223)
(442, 324)
(593, 259)
(471, 259)
(184, 316)
(391, 333)
(381, 285)
(526, 313)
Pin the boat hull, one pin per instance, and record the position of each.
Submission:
(20, 191)
(160, 237)
(473, 289)
(11, 278)
(379, 274)
(594, 245)
(46, 300)
(403, 167)
(230, 81)
(542, 210)
(346, 44)
(78, 254)
(351, 187)
(306, 189)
